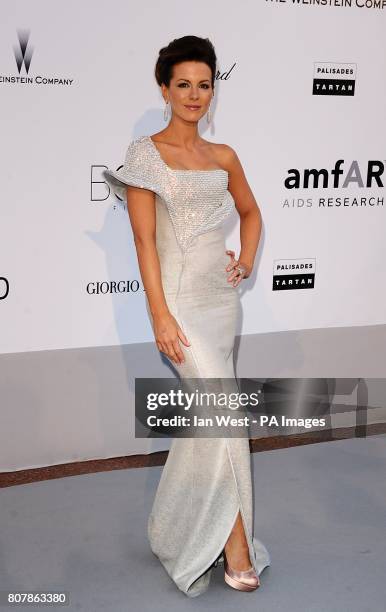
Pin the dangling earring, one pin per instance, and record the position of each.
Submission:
(166, 111)
(208, 114)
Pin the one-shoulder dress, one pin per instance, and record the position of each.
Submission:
(205, 481)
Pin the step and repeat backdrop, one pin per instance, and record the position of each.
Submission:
(301, 97)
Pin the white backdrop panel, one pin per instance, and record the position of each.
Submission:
(61, 231)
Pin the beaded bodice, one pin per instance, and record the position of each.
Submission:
(197, 200)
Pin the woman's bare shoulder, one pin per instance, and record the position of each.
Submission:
(225, 155)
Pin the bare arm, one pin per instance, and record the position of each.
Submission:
(142, 214)
(248, 209)
(141, 209)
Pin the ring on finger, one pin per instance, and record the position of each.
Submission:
(240, 269)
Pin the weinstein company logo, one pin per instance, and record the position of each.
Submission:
(23, 52)
(331, 79)
(293, 274)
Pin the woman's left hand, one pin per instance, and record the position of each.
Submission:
(236, 277)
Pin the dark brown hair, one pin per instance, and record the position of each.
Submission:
(187, 48)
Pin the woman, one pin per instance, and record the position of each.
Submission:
(179, 188)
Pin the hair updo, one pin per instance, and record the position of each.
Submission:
(185, 49)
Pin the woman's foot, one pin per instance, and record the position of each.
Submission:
(241, 580)
(239, 571)
(236, 548)
(237, 556)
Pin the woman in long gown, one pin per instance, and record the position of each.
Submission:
(176, 187)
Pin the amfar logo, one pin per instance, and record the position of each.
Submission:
(353, 175)
(332, 79)
(293, 274)
(23, 56)
(364, 177)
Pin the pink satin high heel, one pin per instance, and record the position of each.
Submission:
(246, 580)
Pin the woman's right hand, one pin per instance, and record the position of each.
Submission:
(167, 334)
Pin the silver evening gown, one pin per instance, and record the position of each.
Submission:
(205, 482)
